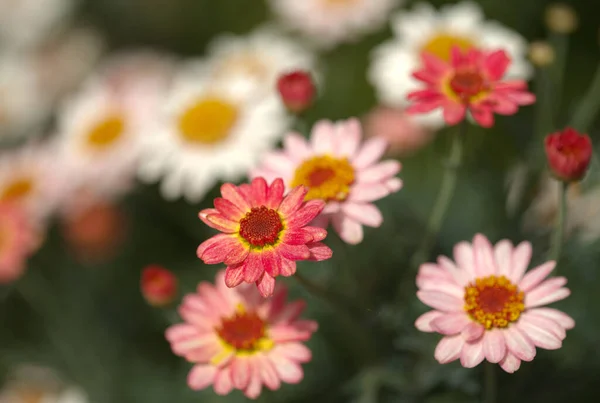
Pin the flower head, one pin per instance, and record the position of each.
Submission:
(238, 340)
(569, 154)
(297, 90)
(159, 285)
(18, 241)
(488, 308)
(338, 170)
(264, 233)
(472, 81)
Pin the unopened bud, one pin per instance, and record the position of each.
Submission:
(541, 53)
(159, 285)
(569, 154)
(561, 18)
(297, 90)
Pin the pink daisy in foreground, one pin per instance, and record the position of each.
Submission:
(17, 241)
(488, 308)
(238, 340)
(339, 170)
(469, 81)
(264, 233)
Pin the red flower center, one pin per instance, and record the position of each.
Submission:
(243, 331)
(493, 301)
(468, 83)
(319, 176)
(261, 226)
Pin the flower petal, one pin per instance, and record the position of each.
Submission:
(364, 213)
(271, 262)
(441, 301)
(317, 233)
(296, 351)
(510, 363)
(423, 322)
(266, 285)
(201, 376)
(549, 291)
(348, 140)
(465, 258)
(215, 249)
(223, 383)
(305, 214)
(520, 260)
(473, 331)
(322, 137)
(319, 251)
(379, 172)
(503, 255)
(535, 276)
(349, 230)
(267, 372)
(449, 349)
(275, 194)
(229, 210)
(293, 201)
(368, 192)
(288, 267)
(371, 151)
(519, 344)
(234, 275)
(559, 317)
(472, 354)
(258, 192)
(494, 345)
(254, 388)
(232, 193)
(253, 269)
(485, 264)
(451, 324)
(541, 337)
(240, 372)
(288, 370)
(296, 147)
(237, 254)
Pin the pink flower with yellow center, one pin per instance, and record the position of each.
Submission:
(264, 233)
(339, 170)
(470, 80)
(18, 240)
(238, 340)
(488, 308)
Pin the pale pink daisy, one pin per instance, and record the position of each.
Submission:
(238, 340)
(488, 308)
(18, 240)
(338, 169)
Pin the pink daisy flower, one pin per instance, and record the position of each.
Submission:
(17, 241)
(339, 170)
(488, 308)
(238, 340)
(469, 81)
(264, 233)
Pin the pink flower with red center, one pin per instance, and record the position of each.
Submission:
(18, 241)
(471, 80)
(569, 154)
(337, 169)
(158, 285)
(264, 233)
(487, 307)
(238, 340)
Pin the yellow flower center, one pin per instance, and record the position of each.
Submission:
(494, 301)
(17, 190)
(326, 177)
(208, 121)
(106, 132)
(441, 45)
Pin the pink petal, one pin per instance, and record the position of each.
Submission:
(441, 301)
(536, 276)
(448, 349)
(253, 269)
(559, 317)
(494, 345)
(545, 323)
(305, 214)
(519, 344)
(510, 363)
(266, 285)
(322, 136)
(234, 275)
(483, 116)
(319, 251)
(237, 254)
(485, 264)
(371, 151)
(496, 64)
(258, 192)
(233, 194)
(223, 383)
(288, 370)
(454, 113)
(271, 262)
(503, 254)
(473, 331)
(229, 210)
(294, 252)
(451, 324)
(364, 213)
(458, 276)
(437, 280)
(240, 372)
(317, 233)
(301, 330)
(217, 221)
(280, 163)
(368, 192)
(288, 267)
(379, 172)
(296, 147)
(472, 354)
(289, 313)
(275, 194)
(254, 388)
(349, 230)
(465, 258)
(201, 376)
(295, 351)
(348, 141)
(520, 260)
(267, 372)
(434, 63)
(547, 292)
(422, 106)
(293, 201)
(423, 322)
(541, 337)
(215, 249)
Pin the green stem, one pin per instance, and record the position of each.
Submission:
(490, 387)
(560, 43)
(557, 237)
(589, 105)
(442, 203)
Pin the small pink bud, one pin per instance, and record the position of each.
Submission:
(569, 154)
(159, 285)
(297, 90)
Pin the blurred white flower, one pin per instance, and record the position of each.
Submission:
(25, 23)
(208, 132)
(423, 29)
(330, 22)
(255, 61)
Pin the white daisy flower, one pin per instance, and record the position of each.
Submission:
(330, 22)
(25, 23)
(425, 29)
(208, 132)
(258, 59)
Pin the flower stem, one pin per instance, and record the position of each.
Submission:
(440, 208)
(557, 237)
(489, 390)
(589, 105)
(560, 43)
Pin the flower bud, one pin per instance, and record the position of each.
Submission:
(569, 154)
(297, 90)
(159, 286)
(561, 18)
(541, 53)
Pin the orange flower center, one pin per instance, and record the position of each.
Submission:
(243, 331)
(106, 132)
(208, 121)
(326, 178)
(261, 226)
(468, 84)
(494, 301)
(441, 45)
(17, 190)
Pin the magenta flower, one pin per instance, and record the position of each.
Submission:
(488, 308)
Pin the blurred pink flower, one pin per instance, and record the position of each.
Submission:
(18, 240)
(238, 340)
(263, 233)
(338, 169)
(488, 308)
(402, 132)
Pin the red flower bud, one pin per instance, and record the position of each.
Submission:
(569, 154)
(297, 90)
(158, 285)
